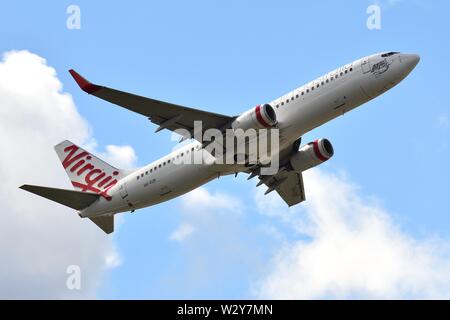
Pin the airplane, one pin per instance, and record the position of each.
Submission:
(101, 190)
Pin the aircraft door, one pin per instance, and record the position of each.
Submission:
(123, 190)
(340, 104)
(365, 65)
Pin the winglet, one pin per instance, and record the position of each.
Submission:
(85, 85)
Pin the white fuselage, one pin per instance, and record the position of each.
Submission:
(297, 112)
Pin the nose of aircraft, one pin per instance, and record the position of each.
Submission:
(409, 61)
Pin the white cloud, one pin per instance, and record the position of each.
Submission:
(113, 260)
(443, 121)
(39, 238)
(220, 255)
(200, 208)
(351, 248)
(182, 232)
(122, 157)
(201, 200)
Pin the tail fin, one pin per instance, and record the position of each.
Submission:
(87, 172)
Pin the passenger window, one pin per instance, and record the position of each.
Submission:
(303, 93)
(351, 69)
(296, 96)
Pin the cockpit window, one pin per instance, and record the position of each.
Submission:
(388, 54)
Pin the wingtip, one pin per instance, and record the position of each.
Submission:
(84, 84)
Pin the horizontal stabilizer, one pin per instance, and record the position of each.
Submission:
(74, 199)
(106, 223)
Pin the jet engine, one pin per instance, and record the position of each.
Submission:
(311, 155)
(262, 116)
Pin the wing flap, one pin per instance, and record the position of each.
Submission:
(292, 190)
(289, 185)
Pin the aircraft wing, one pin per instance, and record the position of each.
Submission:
(288, 184)
(166, 115)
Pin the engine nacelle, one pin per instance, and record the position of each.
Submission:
(262, 116)
(311, 155)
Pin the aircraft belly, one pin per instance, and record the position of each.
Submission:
(171, 184)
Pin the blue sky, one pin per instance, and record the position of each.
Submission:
(227, 57)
